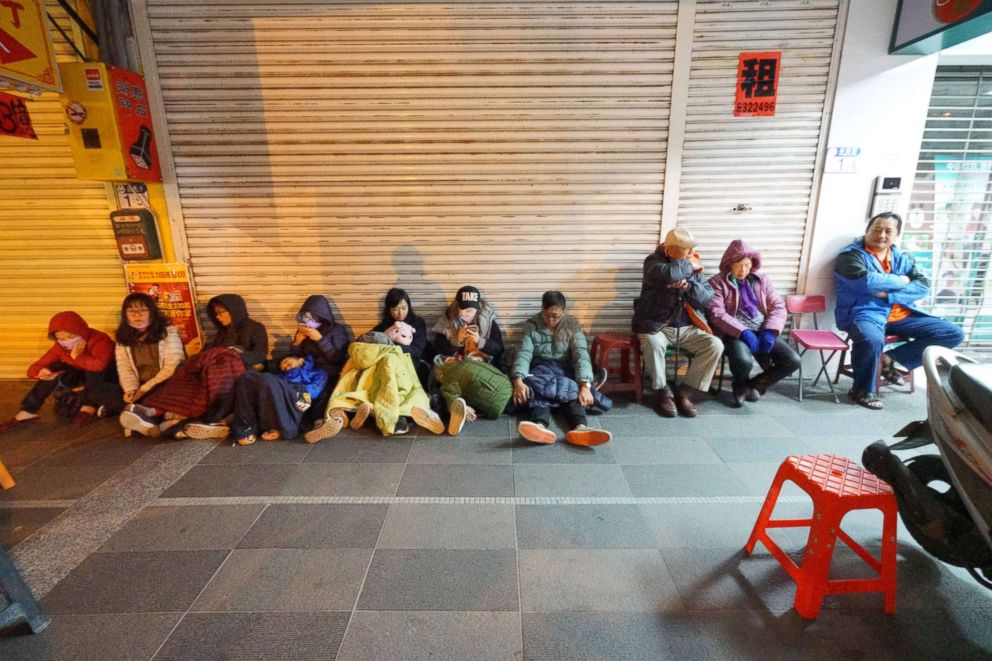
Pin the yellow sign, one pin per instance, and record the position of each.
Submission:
(27, 59)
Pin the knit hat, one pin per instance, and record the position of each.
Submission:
(468, 297)
(681, 237)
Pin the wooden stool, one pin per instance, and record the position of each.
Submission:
(837, 486)
(631, 370)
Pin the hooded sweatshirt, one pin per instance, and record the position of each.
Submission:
(95, 357)
(723, 309)
(331, 350)
(244, 332)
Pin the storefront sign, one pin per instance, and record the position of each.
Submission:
(928, 26)
(757, 84)
(27, 59)
(169, 285)
(14, 118)
(134, 123)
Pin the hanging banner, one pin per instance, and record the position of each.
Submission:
(134, 123)
(757, 84)
(14, 118)
(27, 59)
(169, 285)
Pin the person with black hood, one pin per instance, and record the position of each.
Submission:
(235, 329)
(319, 336)
(469, 327)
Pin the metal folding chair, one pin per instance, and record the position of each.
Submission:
(818, 340)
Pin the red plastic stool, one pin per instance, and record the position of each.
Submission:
(630, 362)
(837, 486)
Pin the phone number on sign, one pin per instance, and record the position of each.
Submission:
(755, 106)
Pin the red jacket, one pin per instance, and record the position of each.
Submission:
(96, 356)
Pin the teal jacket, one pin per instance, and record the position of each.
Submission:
(567, 344)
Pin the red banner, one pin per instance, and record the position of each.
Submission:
(757, 84)
(135, 123)
(14, 118)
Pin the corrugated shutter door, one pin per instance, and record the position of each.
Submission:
(347, 147)
(766, 163)
(56, 243)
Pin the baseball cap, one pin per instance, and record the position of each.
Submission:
(681, 237)
(468, 297)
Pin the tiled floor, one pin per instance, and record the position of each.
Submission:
(476, 547)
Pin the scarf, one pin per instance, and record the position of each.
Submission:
(749, 301)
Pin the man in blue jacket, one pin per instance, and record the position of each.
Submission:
(877, 287)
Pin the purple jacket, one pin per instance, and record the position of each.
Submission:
(722, 310)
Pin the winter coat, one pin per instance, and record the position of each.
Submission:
(657, 303)
(331, 350)
(481, 385)
(553, 383)
(418, 347)
(95, 357)
(723, 308)
(383, 376)
(567, 344)
(313, 379)
(857, 274)
(170, 356)
(244, 333)
(447, 326)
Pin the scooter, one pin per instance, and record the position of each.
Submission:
(952, 523)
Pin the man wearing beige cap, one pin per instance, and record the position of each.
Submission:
(669, 312)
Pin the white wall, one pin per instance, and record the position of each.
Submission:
(880, 106)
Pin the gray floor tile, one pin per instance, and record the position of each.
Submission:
(441, 580)
(525, 452)
(582, 527)
(344, 480)
(843, 424)
(758, 449)
(444, 526)
(18, 455)
(460, 450)
(18, 523)
(57, 482)
(329, 526)
(708, 425)
(940, 629)
(702, 525)
(436, 480)
(596, 580)
(101, 452)
(616, 636)
(566, 480)
(134, 582)
(758, 477)
(850, 446)
(108, 637)
(184, 528)
(432, 636)
(361, 450)
(286, 580)
(220, 481)
(683, 480)
(503, 427)
(640, 450)
(256, 637)
(281, 452)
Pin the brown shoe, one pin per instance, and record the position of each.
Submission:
(666, 403)
(684, 404)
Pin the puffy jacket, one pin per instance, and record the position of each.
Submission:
(483, 386)
(95, 357)
(331, 350)
(722, 310)
(567, 343)
(245, 333)
(552, 383)
(312, 378)
(170, 356)
(858, 274)
(657, 304)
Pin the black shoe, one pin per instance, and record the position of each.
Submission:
(402, 426)
(737, 395)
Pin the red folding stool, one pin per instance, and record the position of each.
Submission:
(837, 486)
(631, 369)
(818, 340)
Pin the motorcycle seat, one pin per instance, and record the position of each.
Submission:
(972, 383)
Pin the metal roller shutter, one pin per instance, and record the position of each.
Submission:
(346, 147)
(767, 163)
(56, 243)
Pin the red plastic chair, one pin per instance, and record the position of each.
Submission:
(813, 339)
(631, 371)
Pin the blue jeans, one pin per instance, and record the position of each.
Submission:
(922, 331)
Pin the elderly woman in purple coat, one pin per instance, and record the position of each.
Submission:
(749, 316)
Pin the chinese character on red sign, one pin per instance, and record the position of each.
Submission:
(14, 118)
(757, 84)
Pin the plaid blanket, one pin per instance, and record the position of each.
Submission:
(201, 381)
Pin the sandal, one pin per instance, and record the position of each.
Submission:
(891, 374)
(272, 435)
(247, 440)
(869, 400)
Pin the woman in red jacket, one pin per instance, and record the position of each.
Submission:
(81, 357)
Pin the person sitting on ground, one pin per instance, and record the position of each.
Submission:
(80, 360)
(749, 315)
(148, 353)
(396, 311)
(318, 335)
(877, 287)
(468, 327)
(555, 339)
(668, 312)
(469, 388)
(236, 330)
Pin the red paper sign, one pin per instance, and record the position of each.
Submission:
(135, 122)
(757, 84)
(14, 118)
(952, 11)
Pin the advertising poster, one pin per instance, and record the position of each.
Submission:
(14, 118)
(169, 285)
(757, 84)
(27, 59)
(135, 124)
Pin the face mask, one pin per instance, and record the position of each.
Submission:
(69, 344)
(140, 325)
(467, 315)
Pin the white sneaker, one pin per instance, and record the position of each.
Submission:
(457, 419)
(427, 419)
(325, 429)
(138, 423)
(202, 431)
(536, 432)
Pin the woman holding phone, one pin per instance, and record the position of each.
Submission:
(469, 328)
